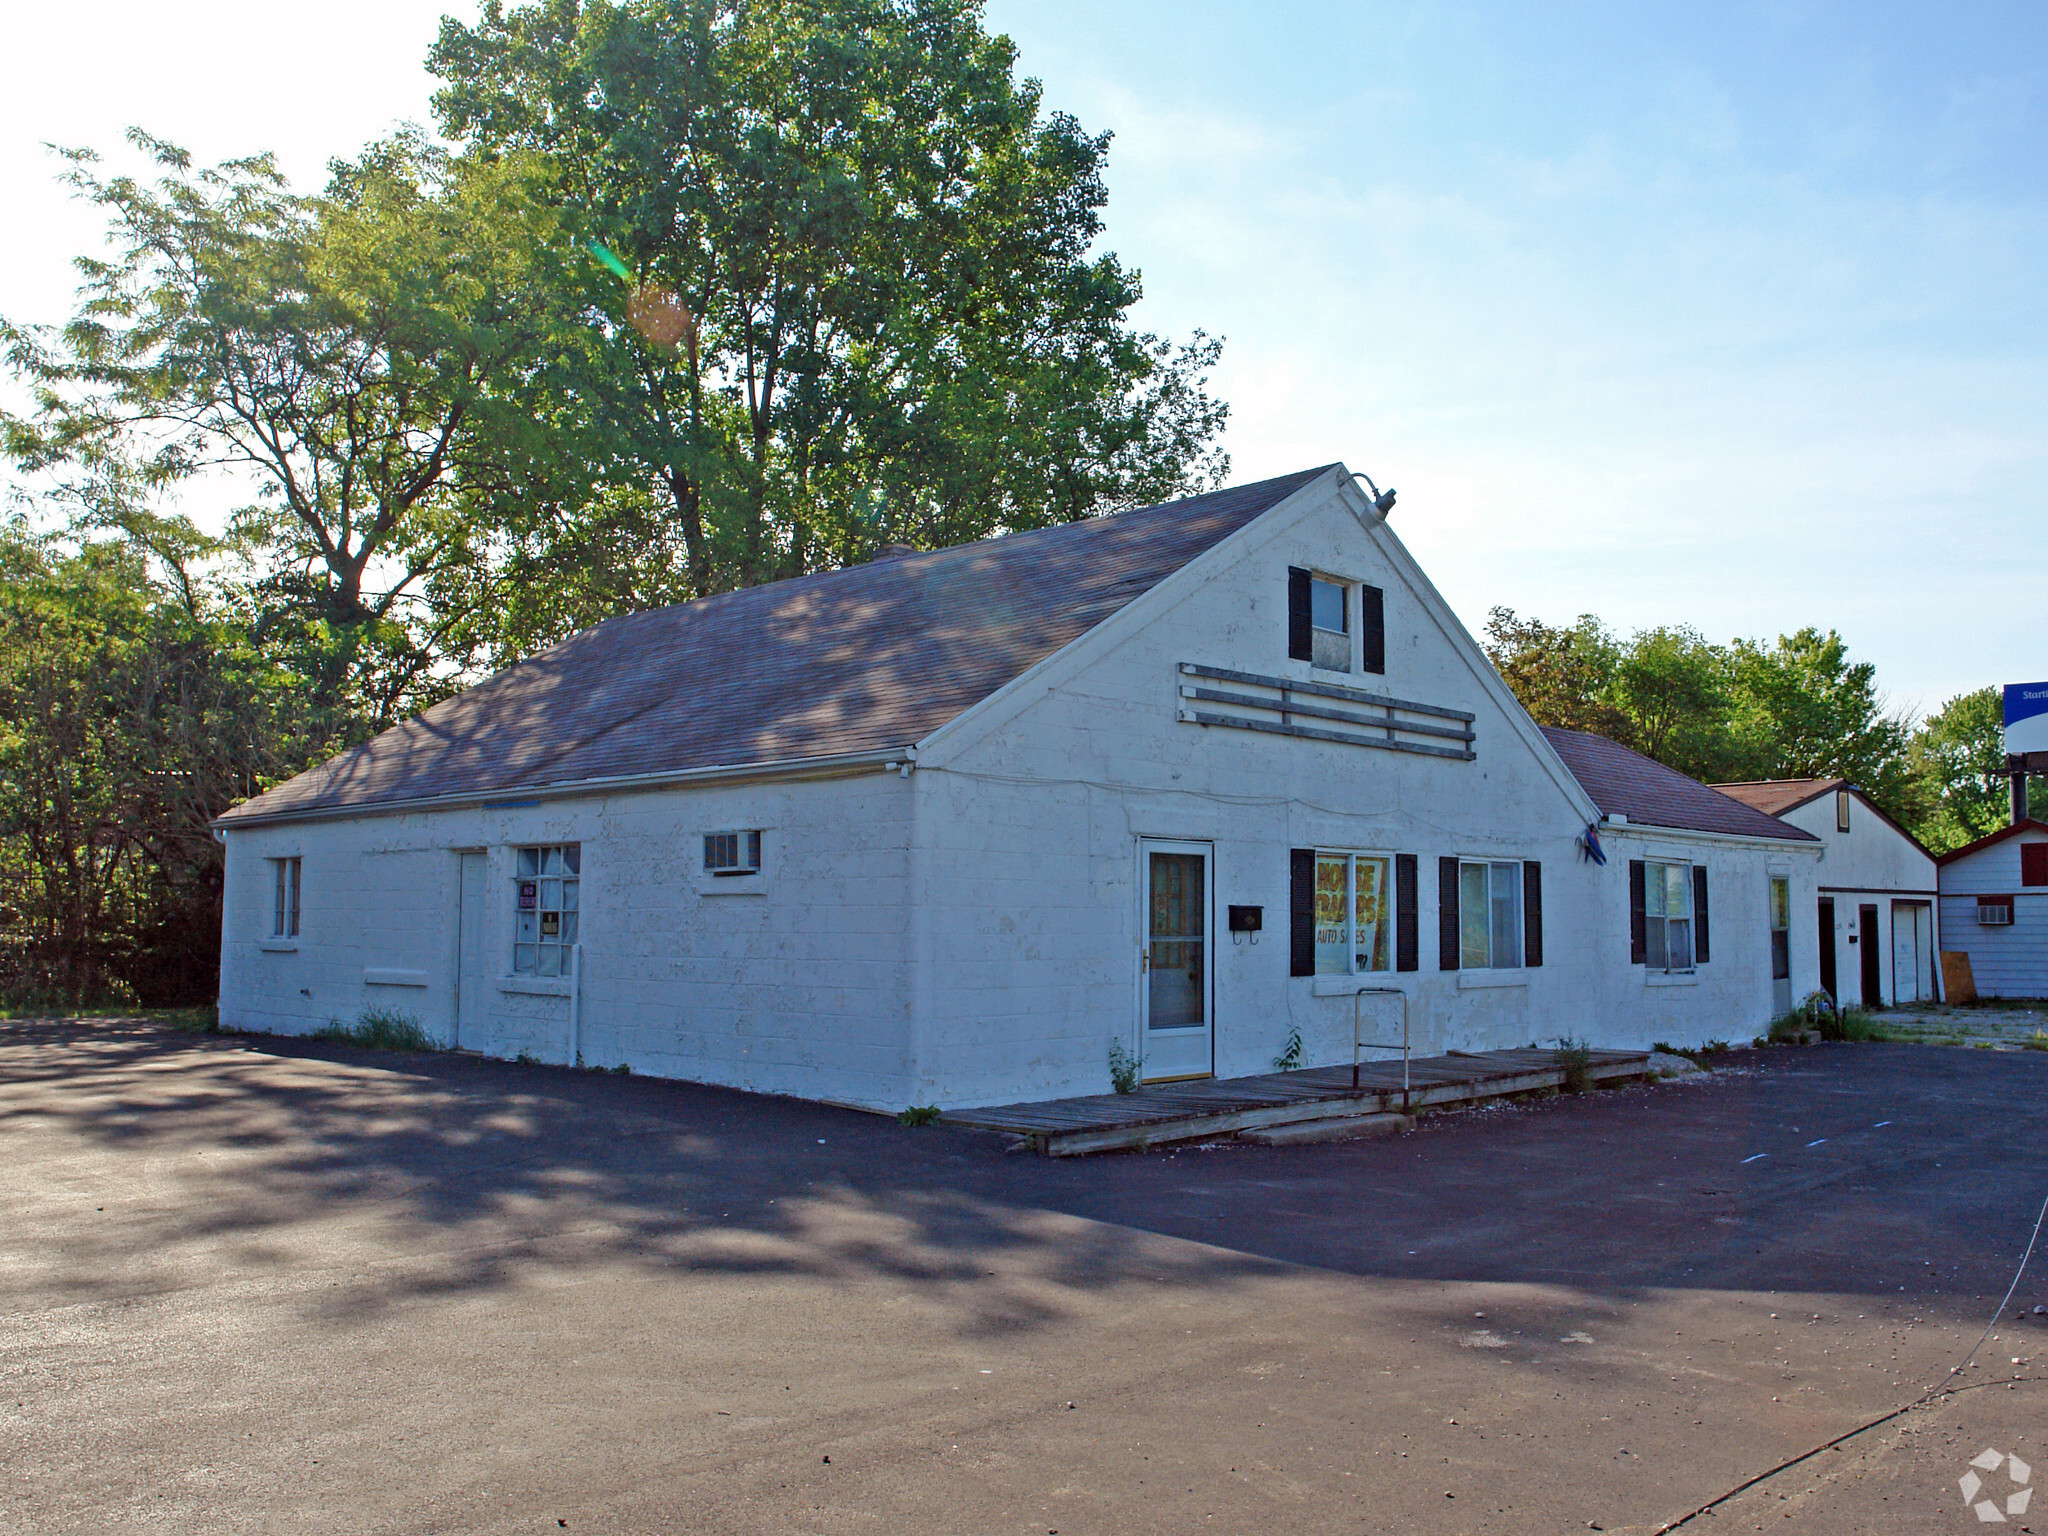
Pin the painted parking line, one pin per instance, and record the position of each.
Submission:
(1753, 1159)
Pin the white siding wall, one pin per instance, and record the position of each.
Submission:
(2005, 962)
(1035, 883)
(971, 935)
(799, 989)
(1872, 864)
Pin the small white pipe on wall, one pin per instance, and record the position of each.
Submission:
(575, 1005)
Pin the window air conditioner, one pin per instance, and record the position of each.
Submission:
(1994, 917)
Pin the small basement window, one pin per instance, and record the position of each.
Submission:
(284, 907)
(548, 883)
(732, 853)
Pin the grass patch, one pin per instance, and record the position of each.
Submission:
(380, 1029)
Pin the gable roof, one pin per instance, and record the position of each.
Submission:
(1624, 782)
(1774, 797)
(2031, 824)
(1780, 797)
(873, 657)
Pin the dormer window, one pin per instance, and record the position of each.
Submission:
(1329, 624)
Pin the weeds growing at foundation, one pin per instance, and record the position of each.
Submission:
(919, 1114)
(1575, 1059)
(1123, 1068)
(380, 1029)
(1289, 1059)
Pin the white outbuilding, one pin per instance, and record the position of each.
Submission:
(1187, 783)
(1994, 908)
(1876, 889)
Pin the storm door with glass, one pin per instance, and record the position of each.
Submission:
(1175, 1033)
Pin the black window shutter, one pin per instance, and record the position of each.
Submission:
(1372, 627)
(1301, 912)
(1447, 914)
(1407, 914)
(1700, 947)
(1638, 922)
(1532, 913)
(1301, 645)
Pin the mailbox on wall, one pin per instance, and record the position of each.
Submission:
(1246, 920)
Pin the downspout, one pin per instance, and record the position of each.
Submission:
(918, 940)
(576, 1005)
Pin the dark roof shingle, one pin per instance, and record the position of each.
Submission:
(1626, 783)
(871, 657)
(1774, 797)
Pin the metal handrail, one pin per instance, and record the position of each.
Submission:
(1359, 1043)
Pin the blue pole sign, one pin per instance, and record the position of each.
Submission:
(2026, 718)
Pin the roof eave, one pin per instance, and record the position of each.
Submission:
(837, 765)
(1802, 840)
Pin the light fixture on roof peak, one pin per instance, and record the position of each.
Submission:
(1382, 501)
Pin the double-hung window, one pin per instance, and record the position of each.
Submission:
(1489, 914)
(1667, 916)
(284, 907)
(1354, 913)
(547, 885)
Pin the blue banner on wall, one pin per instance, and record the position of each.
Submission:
(2026, 718)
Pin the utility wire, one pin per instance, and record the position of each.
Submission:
(1939, 1389)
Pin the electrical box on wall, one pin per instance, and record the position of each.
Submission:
(1247, 919)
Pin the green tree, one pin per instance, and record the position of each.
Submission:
(1672, 685)
(1955, 754)
(356, 358)
(1563, 676)
(128, 720)
(1803, 709)
(869, 252)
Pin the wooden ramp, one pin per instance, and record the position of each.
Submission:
(1219, 1107)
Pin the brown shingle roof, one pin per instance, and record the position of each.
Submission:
(872, 657)
(1624, 782)
(1774, 797)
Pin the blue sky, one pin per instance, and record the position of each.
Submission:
(1725, 315)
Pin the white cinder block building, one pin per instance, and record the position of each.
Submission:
(945, 827)
(1875, 903)
(1994, 908)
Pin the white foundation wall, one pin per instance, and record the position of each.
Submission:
(1030, 855)
(793, 981)
(2004, 961)
(1872, 864)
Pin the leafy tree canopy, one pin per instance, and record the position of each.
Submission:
(874, 251)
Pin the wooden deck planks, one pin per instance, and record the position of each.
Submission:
(1221, 1106)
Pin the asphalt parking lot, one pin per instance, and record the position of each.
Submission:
(260, 1285)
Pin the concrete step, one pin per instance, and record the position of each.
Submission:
(1331, 1128)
